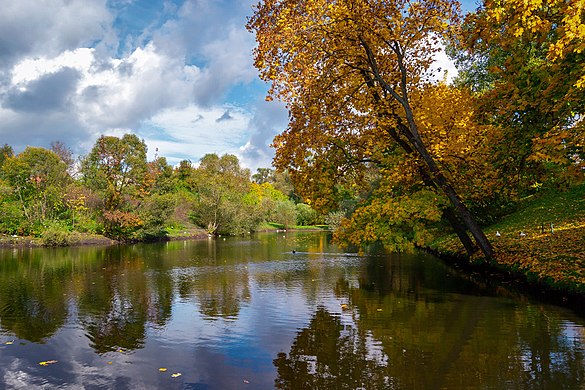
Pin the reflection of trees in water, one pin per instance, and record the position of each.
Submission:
(116, 307)
(219, 293)
(116, 296)
(330, 355)
(32, 307)
(438, 340)
(397, 342)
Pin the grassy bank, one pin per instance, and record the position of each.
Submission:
(543, 242)
(72, 239)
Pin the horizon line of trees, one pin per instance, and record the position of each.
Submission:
(115, 191)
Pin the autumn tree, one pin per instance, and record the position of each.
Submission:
(532, 54)
(348, 71)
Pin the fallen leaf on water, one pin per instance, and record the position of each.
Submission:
(9, 342)
(162, 369)
(46, 363)
(176, 374)
(246, 381)
(119, 350)
(109, 363)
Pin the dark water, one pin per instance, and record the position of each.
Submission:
(251, 314)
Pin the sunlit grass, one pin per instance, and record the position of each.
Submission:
(552, 249)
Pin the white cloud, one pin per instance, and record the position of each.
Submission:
(31, 27)
(63, 77)
(193, 131)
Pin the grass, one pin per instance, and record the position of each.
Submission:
(185, 231)
(267, 226)
(553, 256)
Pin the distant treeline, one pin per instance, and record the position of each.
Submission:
(116, 192)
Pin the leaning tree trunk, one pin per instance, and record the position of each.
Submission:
(443, 183)
(448, 213)
(410, 132)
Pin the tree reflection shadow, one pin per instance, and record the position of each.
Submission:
(330, 355)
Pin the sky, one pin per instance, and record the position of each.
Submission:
(177, 73)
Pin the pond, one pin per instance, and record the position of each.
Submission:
(285, 310)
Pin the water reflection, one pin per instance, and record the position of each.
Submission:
(251, 312)
(434, 336)
(330, 355)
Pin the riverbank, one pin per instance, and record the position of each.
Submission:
(82, 239)
(542, 244)
(74, 239)
(174, 234)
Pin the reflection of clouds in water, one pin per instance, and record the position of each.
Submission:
(278, 295)
(16, 378)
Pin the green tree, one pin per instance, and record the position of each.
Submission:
(221, 186)
(6, 152)
(37, 177)
(116, 168)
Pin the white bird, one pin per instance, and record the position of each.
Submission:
(498, 233)
(522, 234)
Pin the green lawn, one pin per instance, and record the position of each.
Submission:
(554, 257)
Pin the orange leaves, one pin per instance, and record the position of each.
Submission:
(557, 257)
(446, 120)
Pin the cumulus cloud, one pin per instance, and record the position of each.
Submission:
(30, 27)
(178, 74)
(269, 119)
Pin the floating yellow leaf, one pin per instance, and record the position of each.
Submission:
(46, 363)
(176, 374)
(9, 342)
(162, 369)
(109, 363)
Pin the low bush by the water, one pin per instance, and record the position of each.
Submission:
(56, 235)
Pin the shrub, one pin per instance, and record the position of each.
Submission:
(121, 225)
(306, 215)
(12, 218)
(56, 235)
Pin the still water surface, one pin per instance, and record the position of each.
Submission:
(253, 314)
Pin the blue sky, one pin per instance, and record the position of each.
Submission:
(178, 73)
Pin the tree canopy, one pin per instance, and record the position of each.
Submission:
(350, 73)
(369, 117)
(120, 194)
